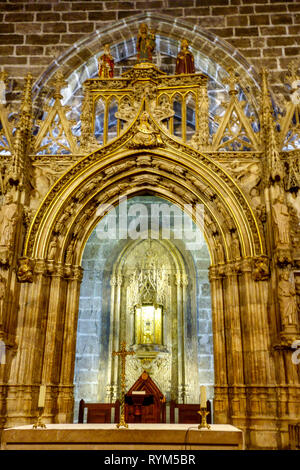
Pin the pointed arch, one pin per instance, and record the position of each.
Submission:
(174, 171)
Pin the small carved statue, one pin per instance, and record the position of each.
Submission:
(8, 220)
(106, 63)
(25, 270)
(145, 44)
(219, 250)
(281, 219)
(164, 110)
(69, 252)
(257, 204)
(287, 299)
(126, 112)
(185, 59)
(9, 214)
(235, 246)
(146, 135)
(52, 248)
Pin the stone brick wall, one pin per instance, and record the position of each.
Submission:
(266, 32)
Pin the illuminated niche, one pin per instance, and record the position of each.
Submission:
(148, 324)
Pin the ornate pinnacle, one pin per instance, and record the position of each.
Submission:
(265, 102)
(59, 83)
(22, 141)
(231, 80)
(264, 79)
(265, 88)
(27, 98)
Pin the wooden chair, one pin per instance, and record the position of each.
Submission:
(98, 412)
(187, 413)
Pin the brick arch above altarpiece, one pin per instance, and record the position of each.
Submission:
(169, 169)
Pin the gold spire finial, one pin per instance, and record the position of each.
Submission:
(59, 83)
(265, 99)
(231, 80)
(27, 98)
(264, 77)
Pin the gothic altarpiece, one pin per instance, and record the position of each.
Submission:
(248, 181)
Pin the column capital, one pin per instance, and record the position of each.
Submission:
(40, 266)
(216, 272)
(77, 273)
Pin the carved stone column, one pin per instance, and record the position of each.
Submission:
(50, 373)
(65, 402)
(234, 346)
(53, 339)
(233, 326)
(26, 367)
(220, 363)
(258, 361)
(180, 339)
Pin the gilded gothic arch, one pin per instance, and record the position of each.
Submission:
(132, 171)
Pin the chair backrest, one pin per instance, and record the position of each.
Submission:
(188, 413)
(98, 412)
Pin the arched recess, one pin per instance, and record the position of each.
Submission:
(175, 171)
(116, 281)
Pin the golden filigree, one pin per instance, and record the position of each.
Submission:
(19, 164)
(289, 136)
(55, 134)
(235, 130)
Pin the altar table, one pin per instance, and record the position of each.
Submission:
(136, 437)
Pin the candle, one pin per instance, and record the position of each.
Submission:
(42, 396)
(202, 396)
